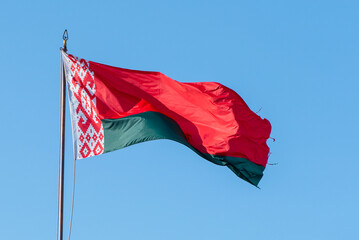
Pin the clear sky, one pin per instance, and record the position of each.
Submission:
(297, 60)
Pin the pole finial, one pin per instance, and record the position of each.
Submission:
(65, 37)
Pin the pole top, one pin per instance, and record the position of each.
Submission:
(65, 37)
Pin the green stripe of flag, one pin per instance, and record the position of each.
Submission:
(147, 126)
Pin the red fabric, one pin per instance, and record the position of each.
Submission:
(213, 117)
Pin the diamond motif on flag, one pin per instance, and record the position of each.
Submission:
(101, 136)
(88, 138)
(88, 132)
(98, 148)
(85, 151)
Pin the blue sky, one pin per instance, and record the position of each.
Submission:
(297, 60)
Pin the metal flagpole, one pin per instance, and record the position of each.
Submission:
(62, 145)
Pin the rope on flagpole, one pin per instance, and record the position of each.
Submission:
(73, 198)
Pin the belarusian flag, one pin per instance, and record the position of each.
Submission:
(112, 108)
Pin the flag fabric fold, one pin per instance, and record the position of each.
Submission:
(112, 108)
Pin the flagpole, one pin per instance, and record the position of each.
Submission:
(62, 145)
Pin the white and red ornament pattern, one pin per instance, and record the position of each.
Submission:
(87, 128)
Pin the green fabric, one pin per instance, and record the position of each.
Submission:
(147, 126)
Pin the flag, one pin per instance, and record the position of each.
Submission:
(112, 108)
